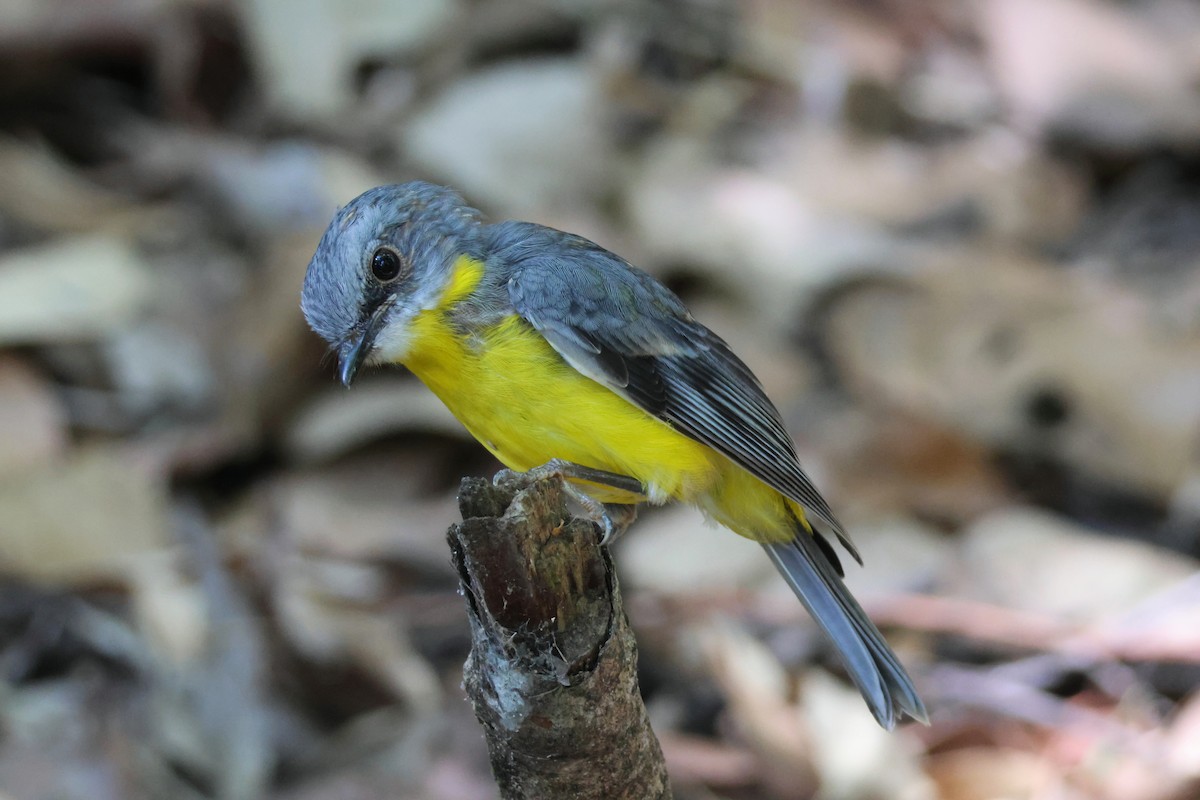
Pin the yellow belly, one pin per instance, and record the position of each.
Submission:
(526, 405)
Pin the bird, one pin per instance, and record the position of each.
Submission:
(561, 357)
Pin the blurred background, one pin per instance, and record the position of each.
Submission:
(958, 241)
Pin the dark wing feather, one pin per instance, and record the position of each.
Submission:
(622, 328)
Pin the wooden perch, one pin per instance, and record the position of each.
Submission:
(553, 666)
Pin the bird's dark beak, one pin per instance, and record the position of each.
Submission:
(361, 342)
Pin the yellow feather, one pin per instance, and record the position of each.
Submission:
(524, 403)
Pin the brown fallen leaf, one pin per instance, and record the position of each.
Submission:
(1024, 370)
(994, 773)
(694, 760)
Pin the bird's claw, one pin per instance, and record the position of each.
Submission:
(613, 519)
(615, 528)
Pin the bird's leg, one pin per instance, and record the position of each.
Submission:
(614, 518)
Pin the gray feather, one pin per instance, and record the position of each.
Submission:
(869, 661)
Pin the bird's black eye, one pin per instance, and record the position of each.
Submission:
(385, 265)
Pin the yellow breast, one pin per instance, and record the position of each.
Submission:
(525, 404)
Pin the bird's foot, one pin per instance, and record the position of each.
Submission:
(616, 520)
(613, 518)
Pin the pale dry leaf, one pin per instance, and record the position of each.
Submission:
(855, 758)
(368, 510)
(72, 289)
(89, 519)
(33, 425)
(1018, 190)
(746, 214)
(744, 223)
(335, 421)
(325, 609)
(44, 192)
(171, 611)
(675, 550)
(1160, 628)
(1183, 739)
(292, 186)
(1032, 560)
(757, 689)
(155, 365)
(899, 554)
(315, 80)
(1113, 80)
(542, 148)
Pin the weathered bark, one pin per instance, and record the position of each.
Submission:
(553, 666)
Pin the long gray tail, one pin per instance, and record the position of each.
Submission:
(872, 665)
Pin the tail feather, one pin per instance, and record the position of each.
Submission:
(872, 665)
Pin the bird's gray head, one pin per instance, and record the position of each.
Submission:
(386, 257)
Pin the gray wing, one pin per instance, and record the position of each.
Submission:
(627, 331)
